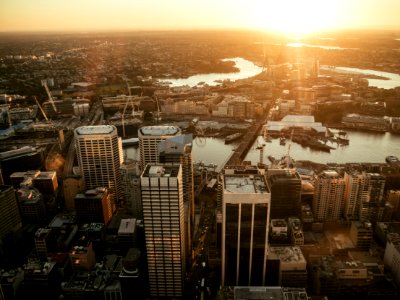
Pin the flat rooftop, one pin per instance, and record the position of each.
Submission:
(161, 171)
(245, 184)
(159, 130)
(99, 129)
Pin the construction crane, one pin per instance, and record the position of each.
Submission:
(41, 109)
(129, 100)
(261, 148)
(44, 83)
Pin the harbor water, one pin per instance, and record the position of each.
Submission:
(363, 147)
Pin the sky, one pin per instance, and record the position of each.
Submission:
(289, 16)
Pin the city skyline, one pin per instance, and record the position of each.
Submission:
(287, 16)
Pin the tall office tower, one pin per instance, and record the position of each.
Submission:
(328, 199)
(285, 187)
(392, 256)
(178, 150)
(245, 221)
(354, 181)
(149, 137)
(10, 219)
(94, 206)
(130, 181)
(394, 201)
(372, 204)
(98, 151)
(163, 217)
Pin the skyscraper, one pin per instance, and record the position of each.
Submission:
(130, 178)
(285, 187)
(178, 150)
(10, 219)
(373, 204)
(328, 202)
(353, 194)
(149, 137)
(99, 151)
(245, 222)
(163, 217)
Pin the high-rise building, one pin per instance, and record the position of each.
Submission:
(10, 219)
(285, 187)
(328, 199)
(245, 224)
(364, 196)
(394, 201)
(130, 178)
(163, 217)
(149, 137)
(392, 256)
(353, 194)
(178, 150)
(94, 206)
(372, 206)
(98, 151)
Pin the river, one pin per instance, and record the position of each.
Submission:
(246, 67)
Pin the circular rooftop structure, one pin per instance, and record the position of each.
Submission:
(159, 130)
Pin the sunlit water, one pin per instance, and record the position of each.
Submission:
(363, 147)
(247, 69)
(392, 81)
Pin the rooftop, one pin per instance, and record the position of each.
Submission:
(245, 184)
(161, 171)
(127, 227)
(99, 129)
(160, 130)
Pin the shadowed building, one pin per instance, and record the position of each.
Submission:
(245, 222)
(285, 187)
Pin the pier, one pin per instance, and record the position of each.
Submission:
(246, 143)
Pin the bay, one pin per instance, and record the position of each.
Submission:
(363, 147)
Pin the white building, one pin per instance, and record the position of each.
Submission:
(328, 201)
(149, 137)
(98, 150)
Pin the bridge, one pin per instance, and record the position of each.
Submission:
(247, 141)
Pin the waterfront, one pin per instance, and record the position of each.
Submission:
(391, 80)
(247, 69)
(363, 147)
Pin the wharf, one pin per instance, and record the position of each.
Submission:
(247, 141)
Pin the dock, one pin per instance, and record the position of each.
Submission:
(246, 143)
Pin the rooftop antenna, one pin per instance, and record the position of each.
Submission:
(288, 152)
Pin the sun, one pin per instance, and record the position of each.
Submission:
(298, 17)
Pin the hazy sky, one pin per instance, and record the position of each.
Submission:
(283, 15)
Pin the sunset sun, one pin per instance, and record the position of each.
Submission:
(296, 17)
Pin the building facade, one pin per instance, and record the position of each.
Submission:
(99, 151)
(285, 187)
(163, 217)
(328, 201)
(149, 137)
(245, 222)
(10, 219)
